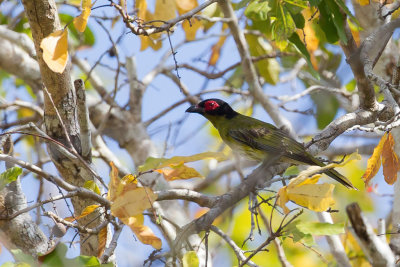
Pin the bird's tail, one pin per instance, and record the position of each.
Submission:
(340, 178)
(335, 175)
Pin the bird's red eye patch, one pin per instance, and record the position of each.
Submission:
(210, 105)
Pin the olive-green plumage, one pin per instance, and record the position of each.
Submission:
(256, 139)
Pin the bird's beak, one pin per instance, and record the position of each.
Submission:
(195, 109)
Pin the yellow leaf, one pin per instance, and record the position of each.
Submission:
(363, 2)
(390, 161)
(55, 50)
(316, 197)
(142, 232)
(184, 6)
(114, 184)
(91, 185)
(374, 162)
(132, 202)
(80, 22)
(191, 28)
(86, 211)
(216, 51)
(141, 6)
(190, 259)
(179, 171)
(102, 237)
(158, 163)
(129, 178)
(164, 11)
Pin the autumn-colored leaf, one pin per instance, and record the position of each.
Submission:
(142, 232)
(390, 161)
(363, 2)
(164, 11)
(216, 51)
(316, 197)
(102, 237)
(80, 22)
(374, 162)
(184, 6)
(141, 6)
(133, 202)
(158, 163)
(128, 202)
(55, 50)
(179, 171)
(191, 28)
(86, 211)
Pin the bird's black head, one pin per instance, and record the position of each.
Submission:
(213, 107)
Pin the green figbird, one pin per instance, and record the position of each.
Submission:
(256, 139)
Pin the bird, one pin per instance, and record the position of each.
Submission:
(258, 140)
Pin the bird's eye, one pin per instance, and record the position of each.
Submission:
(211, 105)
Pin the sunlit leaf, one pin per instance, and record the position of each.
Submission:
(102, 237)
(10, 175)
(184, 6)
(157, 163)
(319, 228)
(363, 2)
(283, 27)
(80, 22)
(179, 172)
(390, 160)
(191, 28)
(216, 51)
(374, 162)
(141, 6)
(190, 259)
(142, 232)
(258, 10)
(91, 185)
(269, 69)
(55, 50)
(164, 11)
(133, 202)
(88, 210)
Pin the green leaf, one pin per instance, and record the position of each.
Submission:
(283, 27)
(85, 38)
(327, 107)
(236, 80)
(258, 10)
(314, 2)
(10, 175)
(346, 10)
(91, 185)
(296, 6)
(22, 258)
(269, 68)
(190, 259)
(299, 236)
(326, 23)
(318, 228)
(242, 4)
(299, 20)
(295, 40)
(351, 86)
(338, 19)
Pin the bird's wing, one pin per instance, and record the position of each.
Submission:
(272, 140)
